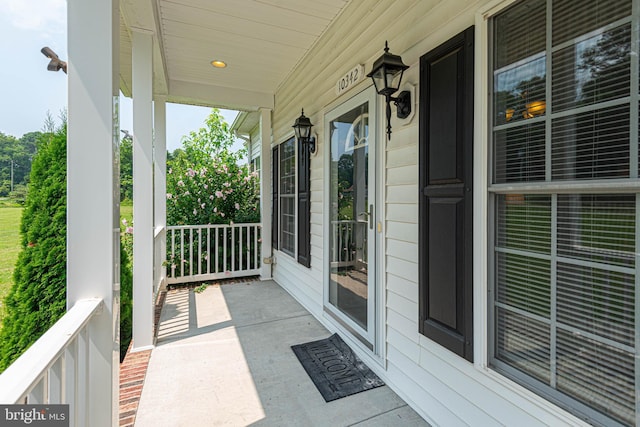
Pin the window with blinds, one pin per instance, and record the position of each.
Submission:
(564, 115)
(288, 197)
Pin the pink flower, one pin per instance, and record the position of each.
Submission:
(202, 206)
(124, 221)
(169, 196)
(237, 205)
(191, 172)
(180, 184)
(206, 186)
(211, 197)
(215, 209)
(222, 214)
(226, 184)
(186, 193)
(231, 222)
(218, 193)
(195, 212)
(170, 170)
(129, 230)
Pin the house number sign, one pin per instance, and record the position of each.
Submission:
(350, 79)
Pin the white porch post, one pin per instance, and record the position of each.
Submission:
(160, 186)
(265, 190)
(142, 44)
(93, 203)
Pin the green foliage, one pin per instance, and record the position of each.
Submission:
(200, 288)
(126, 169)
(37, 298)
(205, 184)
(126, 278)
(16, 154)
(19, 194)
(126, 300)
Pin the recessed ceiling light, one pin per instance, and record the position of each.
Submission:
(218, 64)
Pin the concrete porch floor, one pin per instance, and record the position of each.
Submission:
(223, 358)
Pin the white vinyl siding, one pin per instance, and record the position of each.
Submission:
(565, 261)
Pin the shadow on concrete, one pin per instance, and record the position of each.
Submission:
(224, 357)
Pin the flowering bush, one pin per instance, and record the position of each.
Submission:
(220, 194)
(205, 184)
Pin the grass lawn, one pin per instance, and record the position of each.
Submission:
(10, 245)
(126, 211)
(9, 248)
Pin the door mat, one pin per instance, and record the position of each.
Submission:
(334, 368)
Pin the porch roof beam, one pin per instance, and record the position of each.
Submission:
(218, 96)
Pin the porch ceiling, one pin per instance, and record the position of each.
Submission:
(261, 41)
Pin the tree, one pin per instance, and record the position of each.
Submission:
(15, 160)
(37, 298)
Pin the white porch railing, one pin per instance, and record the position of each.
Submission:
(345, 251)
(55, 369)
(209, 252)
(159, 248)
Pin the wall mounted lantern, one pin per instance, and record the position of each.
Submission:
(302, 128)
(387, 75)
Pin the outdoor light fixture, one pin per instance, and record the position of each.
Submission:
(302, 128)
(56, 64)
(387, 75)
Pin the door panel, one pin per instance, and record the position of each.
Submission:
(350, 292)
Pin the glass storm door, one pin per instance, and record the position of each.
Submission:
(350, 294)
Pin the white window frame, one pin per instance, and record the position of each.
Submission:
(484, 196)
(294, 196)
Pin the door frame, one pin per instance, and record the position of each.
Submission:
(370, 340)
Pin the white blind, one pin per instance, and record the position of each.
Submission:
(565, 264)
(288, 196)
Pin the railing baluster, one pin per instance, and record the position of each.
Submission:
(233, 249)
(240, 265)
(200, 250)
(191, 230)
(173, 255)
(55, 382)
(182, 252)
(255, 245)
(70, 378)
(82, 375)
(224, 255)
(217, 249)
(209, 249)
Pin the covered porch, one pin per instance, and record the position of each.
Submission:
(223, 357)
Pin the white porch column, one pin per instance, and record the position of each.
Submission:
(142, 44)
(93, 187)
(265, 190)
(160, 187)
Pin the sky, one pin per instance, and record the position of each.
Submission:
(28, 91)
